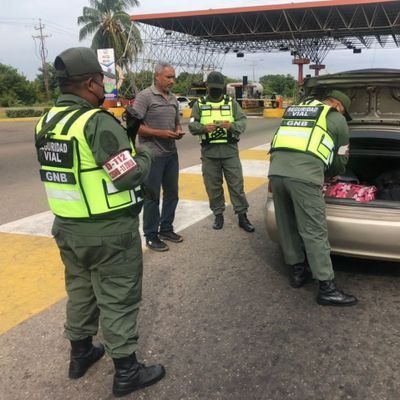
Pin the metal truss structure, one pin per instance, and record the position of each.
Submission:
(183, 51)
(199, 40)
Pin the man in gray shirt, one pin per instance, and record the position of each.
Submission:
(158, 110)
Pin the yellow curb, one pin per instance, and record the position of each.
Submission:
(186, 112)
(26, 119)
(254, 155)
(191, 186)
(273, 112)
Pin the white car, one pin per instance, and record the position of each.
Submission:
(183, 102)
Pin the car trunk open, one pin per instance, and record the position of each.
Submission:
(374, 152)
(375, 125)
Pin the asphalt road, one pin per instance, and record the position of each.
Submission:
(219, 314)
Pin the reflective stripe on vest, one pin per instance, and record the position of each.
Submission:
(214, 113)
(304, 129)
(76, 186)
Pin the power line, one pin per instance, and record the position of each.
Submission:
(60, 27)
(43, 55)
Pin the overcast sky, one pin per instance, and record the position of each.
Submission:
(19, 19)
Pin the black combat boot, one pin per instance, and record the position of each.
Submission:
(218, 221)
(83, 356)
(244, 223)
(299, 275)
(131, 375)
(330, 295)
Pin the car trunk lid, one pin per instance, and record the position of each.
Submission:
(375, 94)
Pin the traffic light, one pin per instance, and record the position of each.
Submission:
(244, 80)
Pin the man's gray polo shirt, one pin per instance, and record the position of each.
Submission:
(158, 113)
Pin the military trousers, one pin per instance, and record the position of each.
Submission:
(301, 221)
(214, 170)
(103, 280)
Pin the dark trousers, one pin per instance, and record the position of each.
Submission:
(301, 221)
(164, 174)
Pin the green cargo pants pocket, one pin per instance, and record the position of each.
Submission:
(314, 220)
(120, 270)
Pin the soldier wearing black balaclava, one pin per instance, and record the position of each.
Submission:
(218, 121)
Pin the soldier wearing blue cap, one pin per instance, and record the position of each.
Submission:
(92, 174)
(311, 144)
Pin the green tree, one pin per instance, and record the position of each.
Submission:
(52, 80)
(112, 28)
(134, 82)
(15, 89)
(284, 85)
(184, 82)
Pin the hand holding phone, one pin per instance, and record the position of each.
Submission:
(180, 135)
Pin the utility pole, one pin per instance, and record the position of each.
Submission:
(253, 65)
(43, 55)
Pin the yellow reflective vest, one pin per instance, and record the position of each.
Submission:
(304, 129)
(215, 113)
(76, 186)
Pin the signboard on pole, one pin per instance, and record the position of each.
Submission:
(107, 62)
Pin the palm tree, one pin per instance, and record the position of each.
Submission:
(112, 28)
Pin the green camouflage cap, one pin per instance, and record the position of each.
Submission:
(344, 99)
(78, 61)
(215, 80)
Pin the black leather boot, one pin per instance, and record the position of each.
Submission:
(131, 375)
(299, 275)
(244, 223)
(83, 356)
(330, 295)
(218, 221)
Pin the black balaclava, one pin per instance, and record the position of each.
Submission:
(216, 86)
(215, 94)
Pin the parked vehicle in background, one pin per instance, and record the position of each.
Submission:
(183, 102)
(196, 91)
(369, 229)
(248, 96)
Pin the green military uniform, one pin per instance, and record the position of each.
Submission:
(221, 158)
(92, 175)
(102, 251)
(297, 178)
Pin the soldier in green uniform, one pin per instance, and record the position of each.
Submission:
(92, 175)
(311, 144)
(218, 121)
